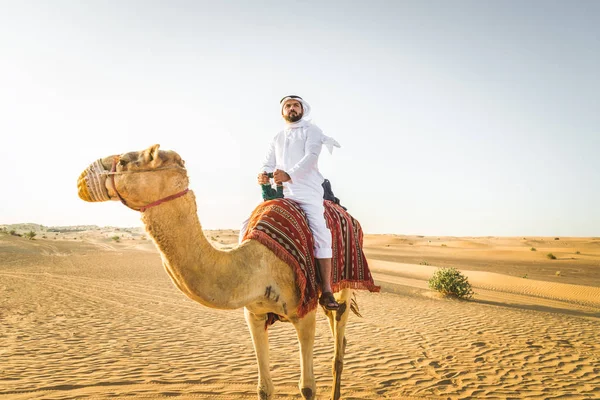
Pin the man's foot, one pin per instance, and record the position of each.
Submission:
(328, 301)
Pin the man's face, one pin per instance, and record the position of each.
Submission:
(292, 111)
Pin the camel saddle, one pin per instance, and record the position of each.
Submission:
(281, 225)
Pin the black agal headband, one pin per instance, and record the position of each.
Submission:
(290, 97)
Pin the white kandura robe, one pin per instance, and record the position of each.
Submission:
(296, 150)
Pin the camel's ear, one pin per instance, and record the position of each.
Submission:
(179, 160)
(151, 153)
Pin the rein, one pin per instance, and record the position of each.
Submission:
(114, 172)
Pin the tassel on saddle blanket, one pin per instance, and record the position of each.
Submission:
(281, 225)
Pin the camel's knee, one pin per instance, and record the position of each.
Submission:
(307, 393)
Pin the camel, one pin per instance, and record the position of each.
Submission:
(155, 182)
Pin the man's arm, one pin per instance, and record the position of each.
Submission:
(269, 160)
(312, 149)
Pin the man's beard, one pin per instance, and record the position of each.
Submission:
(293, 118)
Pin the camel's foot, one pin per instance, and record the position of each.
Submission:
(265, 392)
(308, 389)
(307, 393)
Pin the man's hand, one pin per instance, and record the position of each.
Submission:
(263, 178)
(281, 176)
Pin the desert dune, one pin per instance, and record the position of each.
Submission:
(89, 312)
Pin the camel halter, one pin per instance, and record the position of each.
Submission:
(114, 172)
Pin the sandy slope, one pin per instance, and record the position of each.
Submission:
(92, 318)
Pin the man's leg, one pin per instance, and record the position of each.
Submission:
(315, 213)
(325, 269)
(327, 300)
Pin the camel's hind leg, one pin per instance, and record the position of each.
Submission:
(260, 338)
(305, 328)
(337, 323)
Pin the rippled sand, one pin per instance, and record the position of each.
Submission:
(93, 318)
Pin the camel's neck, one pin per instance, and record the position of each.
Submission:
(212, 277)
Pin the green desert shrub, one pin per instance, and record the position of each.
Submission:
(451, 282)
(30, 235)
(116, 238)
(533, 249)
(551, 256)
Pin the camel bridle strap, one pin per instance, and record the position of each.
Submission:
(113, 172)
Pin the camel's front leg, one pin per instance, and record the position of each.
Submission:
(260, 338)
(305, 328)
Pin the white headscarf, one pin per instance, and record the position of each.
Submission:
(305, 106)
(329, 142)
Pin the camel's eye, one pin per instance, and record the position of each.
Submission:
(122, 162)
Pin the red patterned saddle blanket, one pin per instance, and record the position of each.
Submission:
(281, 225)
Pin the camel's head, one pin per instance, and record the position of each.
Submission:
(137, 178)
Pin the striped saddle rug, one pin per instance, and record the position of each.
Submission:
(281, 225)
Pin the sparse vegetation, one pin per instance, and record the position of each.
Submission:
(557, 273)
(116, 238)
(533, 249)
(30, 235)
(577, 252)
(13, 232)
(524, 276)
(551, 256)
(556, 238)
(443, 245)
(451, 282)
(424, 263)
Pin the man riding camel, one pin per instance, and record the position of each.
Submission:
(293, 159)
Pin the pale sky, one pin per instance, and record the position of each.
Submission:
(455, 117)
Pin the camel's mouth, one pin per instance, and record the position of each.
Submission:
(91, 184)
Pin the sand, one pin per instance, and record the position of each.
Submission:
(83, 316)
